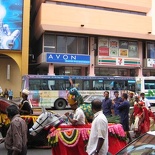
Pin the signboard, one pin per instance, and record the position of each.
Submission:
(103, 47)
(151, 63)
(67, 58)
(11, 18)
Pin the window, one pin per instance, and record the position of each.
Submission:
(61, 44)
(72, 45)
(49, 43)
(65, 44)
(82, 45)
(151, 50)
(149, 84)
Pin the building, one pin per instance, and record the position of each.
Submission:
(14, 43)
(113, 37)
(81, 37)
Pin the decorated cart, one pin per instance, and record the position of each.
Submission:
(69, 140)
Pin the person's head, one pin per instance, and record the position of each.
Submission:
(136, 98)
(96, 105)
(141, 104)
(106, 94)
(116, 93)
(142, 95)
(25, 93)
(124, 96)
(131, 94)
(74, 106)
(12, 110)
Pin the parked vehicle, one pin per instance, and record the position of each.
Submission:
(143, 145)
(90, 98)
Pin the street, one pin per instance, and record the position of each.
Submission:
(45, 151)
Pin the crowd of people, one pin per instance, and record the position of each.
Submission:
(8, 94)
(134, 112)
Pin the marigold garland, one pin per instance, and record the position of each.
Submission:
(69, 140)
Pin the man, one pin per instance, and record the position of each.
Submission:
(124, 108)
(98, 139)
(78, 117)
(16, 137)
(10, 94)
(25, 108)
(117, 100)
(145, 100)
(107, 105)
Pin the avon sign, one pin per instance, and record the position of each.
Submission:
(67, 58)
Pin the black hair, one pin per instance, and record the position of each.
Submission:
(106, 92)
(96, 104)
(125, 95)
(142, 94)
(12, 110)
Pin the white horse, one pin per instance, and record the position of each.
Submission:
(45, 119)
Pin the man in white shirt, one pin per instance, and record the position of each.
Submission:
(78, 115)
(98, 140)
(145, 100)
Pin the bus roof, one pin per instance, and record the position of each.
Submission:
(78, 77)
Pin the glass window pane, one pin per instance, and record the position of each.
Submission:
(61, 44)
(98, 85)
(72, 45)
(150, 50)
(133, 50)
(82, 45)
(86, 85)
(49, 43)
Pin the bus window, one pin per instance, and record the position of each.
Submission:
(86, 85)
(149, 84)
(97, 84)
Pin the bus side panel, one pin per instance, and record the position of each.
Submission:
(45, 98)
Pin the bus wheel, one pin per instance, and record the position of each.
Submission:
(60, 104)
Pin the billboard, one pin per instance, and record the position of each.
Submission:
(11, 19)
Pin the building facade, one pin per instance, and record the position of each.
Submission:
(104, 37)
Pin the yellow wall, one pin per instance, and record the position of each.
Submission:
(18, 60)
(61, 18)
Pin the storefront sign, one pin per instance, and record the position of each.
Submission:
(112, 61)
(67, 58)
(151, 63)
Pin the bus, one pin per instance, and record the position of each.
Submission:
(147, 86)
(51, 91)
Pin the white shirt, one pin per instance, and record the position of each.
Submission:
(99, 129)
(146, 101)
(79, 116)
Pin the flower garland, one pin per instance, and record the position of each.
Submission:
(70, 137)
(4, 120)
(117, 131)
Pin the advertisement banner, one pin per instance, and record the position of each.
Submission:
(11, 19)
(151, 63)
(103, 47)
(113, 47)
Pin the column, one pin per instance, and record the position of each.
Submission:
(51, 69)
(91, 67)
(140, 52)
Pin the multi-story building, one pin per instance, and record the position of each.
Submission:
(95, 37)
(81, 37)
